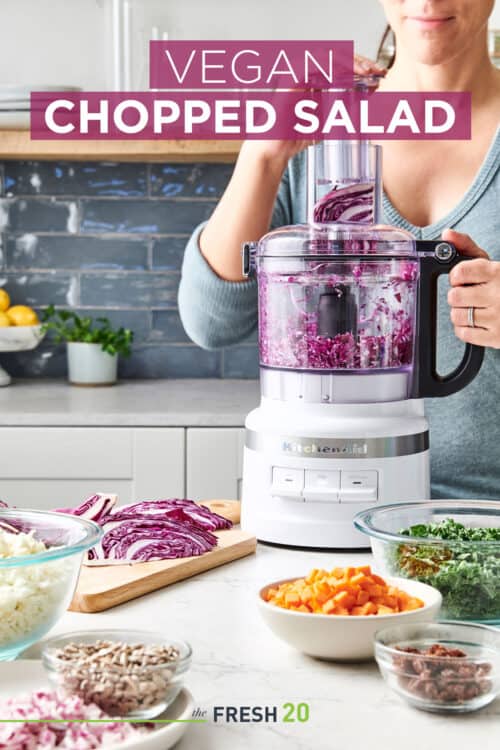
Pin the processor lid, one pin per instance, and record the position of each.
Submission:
(337, 240)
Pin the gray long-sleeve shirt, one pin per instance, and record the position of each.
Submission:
(465, 427)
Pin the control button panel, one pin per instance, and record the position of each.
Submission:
(322, 485)
(288, 482)
(358, 486)
(325, 485)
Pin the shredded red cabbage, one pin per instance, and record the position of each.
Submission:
(383, 339)
(354, 203)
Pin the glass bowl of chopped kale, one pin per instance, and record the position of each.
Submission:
(449, 544)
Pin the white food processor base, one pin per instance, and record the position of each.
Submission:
(309, 469)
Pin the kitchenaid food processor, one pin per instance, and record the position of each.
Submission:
(347, 342)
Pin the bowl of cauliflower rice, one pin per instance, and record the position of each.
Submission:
(40, 557)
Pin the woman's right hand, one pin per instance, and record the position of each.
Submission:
(280, 152)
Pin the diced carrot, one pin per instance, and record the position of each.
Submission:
(375, 590)
(367, 583)
(365, 569)
(358, 578)
(342, 591)
(341, 611)
(306, 593)
(338, 573)
(413, 603)
(362, 597)
(383, 610)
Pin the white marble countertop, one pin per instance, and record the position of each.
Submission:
(237, 661)
(135, 403)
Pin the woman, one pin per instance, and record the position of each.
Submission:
(432, 188)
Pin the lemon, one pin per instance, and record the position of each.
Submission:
(4, 320)
(22, 315)
(4, 301)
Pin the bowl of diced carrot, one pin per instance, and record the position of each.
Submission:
(335, 614)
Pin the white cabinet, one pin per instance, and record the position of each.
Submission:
(49, 467)
(214, 462)
(53, 467)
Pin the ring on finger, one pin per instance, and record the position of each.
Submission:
(470, 317)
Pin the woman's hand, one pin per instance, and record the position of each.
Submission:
(279, 152)
(475, 283)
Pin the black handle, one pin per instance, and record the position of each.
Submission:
(436, 259)
(248, 258)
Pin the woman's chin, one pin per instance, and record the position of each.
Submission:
(431, 52)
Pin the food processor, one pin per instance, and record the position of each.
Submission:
(347, 341)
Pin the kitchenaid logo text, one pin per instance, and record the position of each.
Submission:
(252, 90)
(313, 448)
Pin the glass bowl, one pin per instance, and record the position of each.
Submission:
(467, 573)
(438, 683)
(35, 590)
(124, 685)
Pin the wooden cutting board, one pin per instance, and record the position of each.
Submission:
(103, 587)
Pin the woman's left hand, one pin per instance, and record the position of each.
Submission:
(475, 284)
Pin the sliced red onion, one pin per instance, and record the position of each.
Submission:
(43, 720)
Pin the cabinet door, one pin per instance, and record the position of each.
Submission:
(159, 462)
(51, 467)
(214, 462)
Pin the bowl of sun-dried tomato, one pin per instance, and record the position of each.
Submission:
(444, 667)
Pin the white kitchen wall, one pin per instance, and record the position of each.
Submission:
(69, 41)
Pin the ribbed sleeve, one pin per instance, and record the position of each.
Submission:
(214, 312)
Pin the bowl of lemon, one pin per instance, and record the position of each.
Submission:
(20, 330)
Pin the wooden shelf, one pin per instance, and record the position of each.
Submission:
(17, 144)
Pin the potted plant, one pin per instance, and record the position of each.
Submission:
(93, 346)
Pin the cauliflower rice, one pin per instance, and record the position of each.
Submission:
(29, 594)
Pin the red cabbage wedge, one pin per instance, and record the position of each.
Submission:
(151, 529)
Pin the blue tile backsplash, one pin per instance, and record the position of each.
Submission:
(108, 239)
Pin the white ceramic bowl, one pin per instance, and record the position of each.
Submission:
(20, 338)
(344, 637)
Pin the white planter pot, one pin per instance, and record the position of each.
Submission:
(88, 364)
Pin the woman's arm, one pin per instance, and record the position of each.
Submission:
(217, 311)
(244, 211)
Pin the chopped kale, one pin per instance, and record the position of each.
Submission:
(467, 575)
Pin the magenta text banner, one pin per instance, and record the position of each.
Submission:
(246, 64)
(225, 115)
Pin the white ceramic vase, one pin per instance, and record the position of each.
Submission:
(89, 365)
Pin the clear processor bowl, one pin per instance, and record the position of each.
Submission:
(337, 298)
